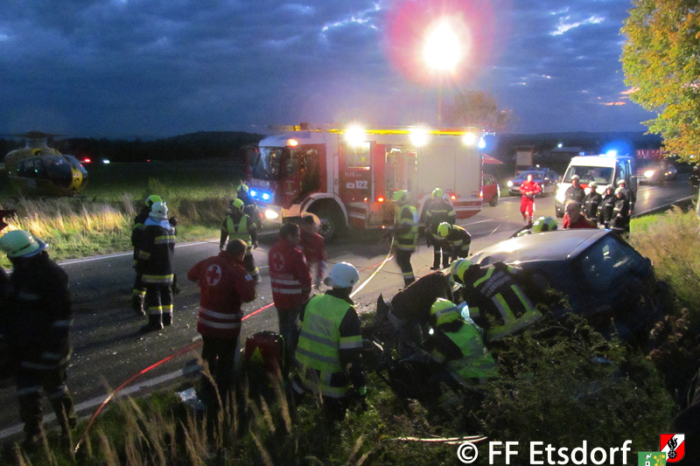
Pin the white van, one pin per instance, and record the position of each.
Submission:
(604, 170)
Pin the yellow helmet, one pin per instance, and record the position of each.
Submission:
(444, 230)
(444, 311)
(400, 196)
(437, 193)
(544, 224)
(237, 203)
(152, 199)
(458, 268)
(19, 243)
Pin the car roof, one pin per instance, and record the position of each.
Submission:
(550, 246)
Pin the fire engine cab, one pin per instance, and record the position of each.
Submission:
(346, 176)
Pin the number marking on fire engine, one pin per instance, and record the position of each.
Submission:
(359, 184)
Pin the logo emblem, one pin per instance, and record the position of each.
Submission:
(651, 458)
(277, 262)
(674, 447)
(213, 274)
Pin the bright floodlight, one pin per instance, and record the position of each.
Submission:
(611, 153)
(442, 50)
(469, 139)
(419, 137)
(355, 136)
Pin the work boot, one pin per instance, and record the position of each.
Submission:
(167, 318)
(154, 324)
(137, 304)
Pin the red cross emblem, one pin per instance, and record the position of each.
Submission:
(213, 274)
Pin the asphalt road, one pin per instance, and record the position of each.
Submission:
(108, 347)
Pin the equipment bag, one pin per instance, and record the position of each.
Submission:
(265, 349)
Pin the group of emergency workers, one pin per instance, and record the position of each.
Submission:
(322, 333)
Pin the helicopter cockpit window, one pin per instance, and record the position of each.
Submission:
(58, 170)
(31, 168)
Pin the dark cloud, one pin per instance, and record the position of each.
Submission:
(144, 67)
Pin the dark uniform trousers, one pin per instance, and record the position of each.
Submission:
(159, 299)
(30, 382)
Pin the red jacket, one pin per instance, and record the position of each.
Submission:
(224, 285)
(314, 249)
(529, 189)
(580, 223)
(289, 275)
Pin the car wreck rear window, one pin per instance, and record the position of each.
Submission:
(605, 264)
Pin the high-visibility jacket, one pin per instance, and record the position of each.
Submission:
(289, 275)
(459, 241)
(37, 315)
(330, 330)
(439, 211)
(464, 354)
(242, 229)
(496, 301)
(406, 236)
(156, 253)
(224, 284)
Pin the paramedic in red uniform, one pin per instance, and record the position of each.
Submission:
(314, 248)
(529, 189)
(225, 285)
(291, 282)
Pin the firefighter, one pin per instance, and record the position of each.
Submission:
(592, 202)
(156, 266)
(458, 348)
(136, 234)
(405, 235)
(573, 217)
(496, 298)
(243, 193)
(439, 211)
(620, 222)
(629, 194)
(529, 189)
(575, 192)
(239, 225)
(38, 315)
(313, 247)
(457, 239)
(544, 224)
(225, 284)
(291, 283)
(329, 354)
(607, 205)
(410, 307)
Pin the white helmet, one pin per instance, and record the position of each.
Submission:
(159, 211)
(343, 275)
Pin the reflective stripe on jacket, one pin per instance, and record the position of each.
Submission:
(156, 253)
(407, 228)
(320, 342)
(476, 361)
(289, 275)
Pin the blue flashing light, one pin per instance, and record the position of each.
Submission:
(611, 153)
(253, 192)
(481, 144)
(266, 197)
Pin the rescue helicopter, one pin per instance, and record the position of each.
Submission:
(40, 170)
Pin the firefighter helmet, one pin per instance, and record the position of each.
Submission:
(593, 185)
(19, 243)
(159, 211)
(444, 230)
(544, 224)
(152, 199)
(458, 268)
(400, 196)
(342, 275)
(437, 193)
(620, 190)
(444, 311)
(575, 177)
(238, 204)
(621, 181)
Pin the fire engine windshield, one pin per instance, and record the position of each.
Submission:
(267, 165)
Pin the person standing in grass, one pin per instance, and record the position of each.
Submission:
(239, 225)
(136, 234)
(156, 266)
(37, 317)
(225, 285)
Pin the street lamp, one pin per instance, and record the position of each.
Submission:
(442, 52)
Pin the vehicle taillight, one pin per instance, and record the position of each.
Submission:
(453, 197)
(380, 199)
(481, 194)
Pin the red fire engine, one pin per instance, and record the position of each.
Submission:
(346, 176)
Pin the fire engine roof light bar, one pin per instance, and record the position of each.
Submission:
(355, 135)
(419, 137)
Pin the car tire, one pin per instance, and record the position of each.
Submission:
(494, 201)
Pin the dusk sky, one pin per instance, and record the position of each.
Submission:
(155, 68)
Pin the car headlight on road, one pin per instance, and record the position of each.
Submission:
(510, 184)
(648, 173)
(271, 214)
(561, 194)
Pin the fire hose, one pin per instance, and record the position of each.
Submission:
(197, 344)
